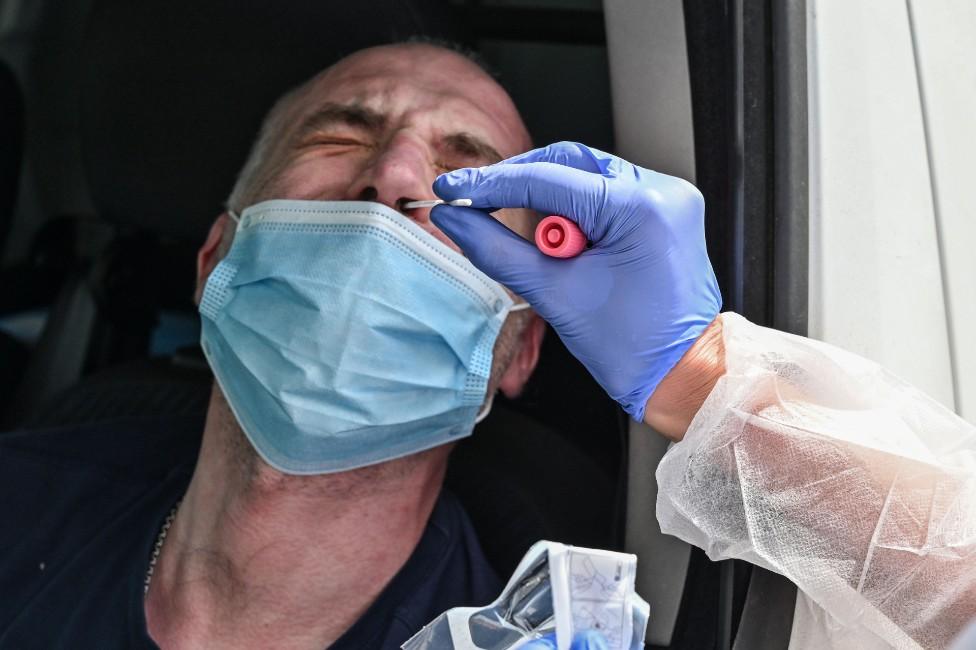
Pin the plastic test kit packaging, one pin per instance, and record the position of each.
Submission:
(555, 587)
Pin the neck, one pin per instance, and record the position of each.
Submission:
(257, 558)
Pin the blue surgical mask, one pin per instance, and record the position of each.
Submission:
(343, 334)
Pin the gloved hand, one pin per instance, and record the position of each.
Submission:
(589, 640)
(629, 306)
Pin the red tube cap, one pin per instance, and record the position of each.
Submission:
(557, 236)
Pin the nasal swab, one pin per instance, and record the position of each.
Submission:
(555, 236)
(458, 203)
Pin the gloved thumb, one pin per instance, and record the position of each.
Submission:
(491, 246)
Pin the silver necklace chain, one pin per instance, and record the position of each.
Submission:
(159, 547)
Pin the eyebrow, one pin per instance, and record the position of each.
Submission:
(466, 145)
(331, 114)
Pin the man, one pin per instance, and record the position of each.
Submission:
(116, 548)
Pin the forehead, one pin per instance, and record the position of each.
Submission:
(425, 87)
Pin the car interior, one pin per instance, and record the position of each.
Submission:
(124, 123)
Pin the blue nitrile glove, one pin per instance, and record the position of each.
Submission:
(589, 640)
(629, 306)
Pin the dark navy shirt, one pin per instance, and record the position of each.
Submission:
(80, 510)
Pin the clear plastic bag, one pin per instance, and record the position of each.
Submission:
(555, 587)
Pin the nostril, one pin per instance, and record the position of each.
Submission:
(368, 194)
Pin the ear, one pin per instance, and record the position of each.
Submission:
(208, 255)
(521, 367)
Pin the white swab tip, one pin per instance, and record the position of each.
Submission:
(413, 205)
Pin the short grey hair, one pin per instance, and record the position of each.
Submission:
(264, 161)
(453, 46)
(258, 170)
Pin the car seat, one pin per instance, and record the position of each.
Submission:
(12, 351)
(11, 145)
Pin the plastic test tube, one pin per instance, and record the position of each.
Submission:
(558, 236)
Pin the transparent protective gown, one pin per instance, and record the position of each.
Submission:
(822, 466)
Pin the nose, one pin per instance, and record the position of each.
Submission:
(399, 172)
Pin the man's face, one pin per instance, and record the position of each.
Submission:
(382, 124)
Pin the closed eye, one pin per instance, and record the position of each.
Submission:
(315, 141)
(340, 126)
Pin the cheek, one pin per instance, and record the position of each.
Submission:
(435, 231)
(315, 178)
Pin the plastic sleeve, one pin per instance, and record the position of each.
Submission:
(822, 466)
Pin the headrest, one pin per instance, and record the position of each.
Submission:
(11, 144)
(173, 93)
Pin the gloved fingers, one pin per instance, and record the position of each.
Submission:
(589, 640)
(491, 246)
(546, 187)
(568, 154)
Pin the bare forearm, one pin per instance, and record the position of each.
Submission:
(682, 392)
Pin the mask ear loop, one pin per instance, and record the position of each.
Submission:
(486, 410)
(491, 398)
(234, 217)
